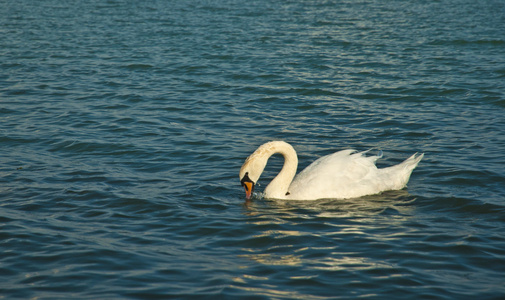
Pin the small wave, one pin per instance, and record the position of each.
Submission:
(463, 42)
(135, 67)
(462, 205)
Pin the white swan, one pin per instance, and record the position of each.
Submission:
(341, 175)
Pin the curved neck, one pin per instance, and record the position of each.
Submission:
(279, 186)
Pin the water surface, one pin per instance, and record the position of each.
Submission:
(124, 125)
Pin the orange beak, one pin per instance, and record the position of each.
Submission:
(249, 188)
(248, 185)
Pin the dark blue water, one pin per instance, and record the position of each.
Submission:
(123, 125)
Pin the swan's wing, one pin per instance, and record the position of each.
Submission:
(338, 175)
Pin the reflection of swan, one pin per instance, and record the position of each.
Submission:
(344, 174)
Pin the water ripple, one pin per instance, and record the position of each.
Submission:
(124, 125)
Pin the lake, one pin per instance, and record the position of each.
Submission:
(124, 125)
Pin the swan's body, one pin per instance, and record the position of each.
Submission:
(341, 175)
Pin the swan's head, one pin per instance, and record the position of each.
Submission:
(248, 185)
(252, 168)
(249, 175)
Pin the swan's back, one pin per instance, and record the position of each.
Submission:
(347, 174)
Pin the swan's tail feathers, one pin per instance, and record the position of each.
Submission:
(408, 166)
(411, 162)
(400, 174)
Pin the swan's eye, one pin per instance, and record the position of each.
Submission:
(245, 178)
(246, 182)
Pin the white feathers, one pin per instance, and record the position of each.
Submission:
(344, 174)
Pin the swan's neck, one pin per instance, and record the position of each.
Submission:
(278, 187)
